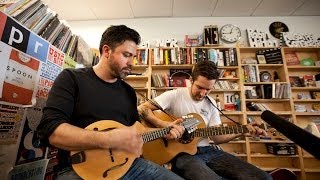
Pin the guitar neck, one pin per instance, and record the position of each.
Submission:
(211, 131)
(152, 135)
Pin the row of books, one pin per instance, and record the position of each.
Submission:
(251, 73)
(268, 91)
(221, 57)
(252, 106)
(37, 17)
(176, 55)
(153, 93)
(222, 84)
(166, 80)
(160, 80)
(142, 57)
(307, 80)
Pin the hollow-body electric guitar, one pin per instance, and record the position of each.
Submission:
(168, 149)
(113, 164)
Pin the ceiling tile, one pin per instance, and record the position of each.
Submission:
(277, 7)
(79, 11)
(152, 8)
(185, 8)
(123, 9)
(111, 9)
(309, 7)
(232, 8)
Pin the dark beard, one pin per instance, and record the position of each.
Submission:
(118, 73)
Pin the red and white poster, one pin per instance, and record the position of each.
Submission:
(21, 77)
(5, 51)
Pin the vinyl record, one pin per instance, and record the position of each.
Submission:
(276, 28)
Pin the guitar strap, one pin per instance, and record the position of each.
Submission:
(156, 105)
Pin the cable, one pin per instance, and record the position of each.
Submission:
(221, 111)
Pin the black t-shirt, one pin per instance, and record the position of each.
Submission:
(79, 97)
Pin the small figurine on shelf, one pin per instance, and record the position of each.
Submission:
(218, 102)
(237, 102)
(276, 76)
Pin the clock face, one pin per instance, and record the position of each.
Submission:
(230, 33)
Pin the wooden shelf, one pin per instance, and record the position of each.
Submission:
(139, 67)
(309, 68)
(238, 154)
(225, 90)
(276, 112)
(273, 156)
(172, 66)
(267, 100)
(311, 170)
(237, 142)
(134, 77)
(304, 88)
(271, 141)
(229, 79)
(306, 100)
(232, 112)
(261, 83)
(164, 88)
(228, 67)
(141, 88)
(273, 168)
(265, 65)
(307, 113)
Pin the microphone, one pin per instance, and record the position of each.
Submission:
(303, 138)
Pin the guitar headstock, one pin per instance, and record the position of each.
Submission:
(190, 123)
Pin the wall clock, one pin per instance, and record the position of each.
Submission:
(230, 33)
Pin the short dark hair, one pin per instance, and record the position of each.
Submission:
(116, 35)
(207, 69)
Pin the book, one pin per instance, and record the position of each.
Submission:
(15, 6)
(295, 81)
(35, 18)
(309, 81)
(292, 59)
(27, 13)
(315, 94)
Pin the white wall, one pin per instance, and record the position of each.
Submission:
(152, 29)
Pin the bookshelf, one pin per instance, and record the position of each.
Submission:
(249, 149)
(303, 102)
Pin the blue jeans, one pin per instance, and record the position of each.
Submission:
(211, 163)
(140, 169)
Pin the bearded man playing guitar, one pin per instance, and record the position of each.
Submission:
(78, 102)
(209, 162)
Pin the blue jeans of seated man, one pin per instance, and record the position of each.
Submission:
(211, 163)
(140, 169)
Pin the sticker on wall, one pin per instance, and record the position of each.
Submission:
(276, 28)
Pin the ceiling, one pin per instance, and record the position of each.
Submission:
(128, 9)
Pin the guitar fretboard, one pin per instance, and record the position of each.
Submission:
(152, 135)
(211, 131)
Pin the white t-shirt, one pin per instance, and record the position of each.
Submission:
(179, 103)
